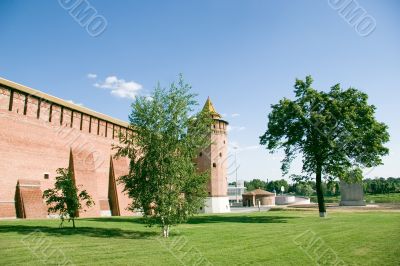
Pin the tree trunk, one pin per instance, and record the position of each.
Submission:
(166, 231)
(320, 195)
(73, 223)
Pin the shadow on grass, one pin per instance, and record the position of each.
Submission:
(206, 219)
(116, 219)
(81, 231)
(239, 219)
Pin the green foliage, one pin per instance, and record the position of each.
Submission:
(254, 184)
(335, 132)
(382, 185)
(163, 180)
(269, 186)
(304, 189)
(277, 184)
(65, 197)
(332, 187)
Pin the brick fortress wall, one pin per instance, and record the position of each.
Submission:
(40, 133)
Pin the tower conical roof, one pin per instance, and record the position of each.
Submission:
(209, 107)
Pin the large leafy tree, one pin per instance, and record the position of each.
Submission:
(163, 180)
(65, 198)
(276, 185)
(254, 184)
(335, 132)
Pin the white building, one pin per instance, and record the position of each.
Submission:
(235, 193)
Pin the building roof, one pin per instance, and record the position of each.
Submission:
(209, 107)
(259, 192)
(61, 102)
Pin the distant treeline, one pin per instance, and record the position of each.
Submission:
(330, 188)
(382, 185)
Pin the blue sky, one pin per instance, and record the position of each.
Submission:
(245, 55)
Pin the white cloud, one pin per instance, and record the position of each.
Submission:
(235, 128)
(120, 87)
(71, 101)
(251, 147)
(235, 115)
(91, 76)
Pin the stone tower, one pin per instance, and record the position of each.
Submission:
(214, 159)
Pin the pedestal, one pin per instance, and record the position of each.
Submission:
(216, 205)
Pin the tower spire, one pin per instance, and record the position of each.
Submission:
(209, 107)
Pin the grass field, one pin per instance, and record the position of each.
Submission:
(265, 238)
(369, 198)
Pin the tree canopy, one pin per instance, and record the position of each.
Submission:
(335, 132)
(273, 185)
(163, 180)
(65, 198)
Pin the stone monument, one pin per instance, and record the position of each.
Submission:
(351, 194)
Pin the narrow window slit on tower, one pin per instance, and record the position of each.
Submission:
(98, 126)
(106, 129)
(61, 116)
(90, 124)
(80, 127)
(51, 111)
(38, 108)
(10, 105)
(26, 104)
(72, 117)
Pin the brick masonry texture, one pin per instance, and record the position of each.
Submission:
(35, 141)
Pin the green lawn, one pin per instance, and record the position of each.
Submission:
(266, 238)
(383, 198)
(369, 198)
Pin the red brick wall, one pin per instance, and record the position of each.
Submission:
(85, 179)
(4, 98)
(31, 147)
(121, 167)
(55, 115)
(44, 111)
(18, 103)
(32, 107)
(85, 123)
(7, 209)
(77, 120)
(29, 199)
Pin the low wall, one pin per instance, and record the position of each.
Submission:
(302, 200)
(285, 200)
(291, 200)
